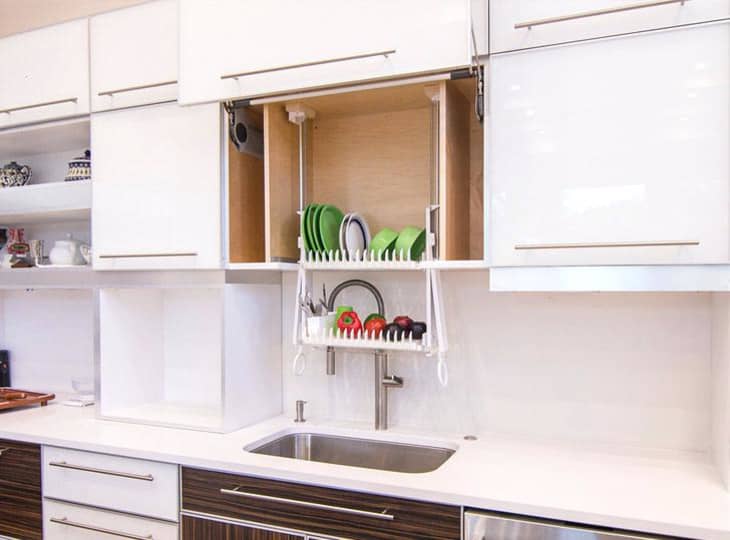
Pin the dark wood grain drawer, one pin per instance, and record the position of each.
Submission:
(205, 529)
(21, 514)
(316, 509)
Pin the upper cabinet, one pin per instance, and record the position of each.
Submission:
(156, 188)
(522, 24)
(45, 74)
(612, 151)
(134, 56)
(244, 48)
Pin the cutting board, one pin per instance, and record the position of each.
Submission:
(10, 398)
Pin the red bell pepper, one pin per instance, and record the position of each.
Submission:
(349, 323)
(374, 325)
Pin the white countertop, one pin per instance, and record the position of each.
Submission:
(661, 494)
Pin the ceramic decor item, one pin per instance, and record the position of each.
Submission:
(67, 252)
(79, 168)
(14, 175)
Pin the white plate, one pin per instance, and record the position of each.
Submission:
(357, 233)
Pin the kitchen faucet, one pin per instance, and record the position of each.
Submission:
(383, 381)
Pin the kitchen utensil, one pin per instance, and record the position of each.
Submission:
(13, 175)
(383, 242)
(66, 252)
(328, 223)
(79, 168)
(36, 252)
(411, 242)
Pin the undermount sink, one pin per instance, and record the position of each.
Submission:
(367, 453)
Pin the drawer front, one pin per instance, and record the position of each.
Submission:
(194, 528)
(635, 174)
(147, 488)
(45, 74)
(315, 509)
(327, 42)
(64, 521)
(20, 490)
(118, 77)
(560, 21)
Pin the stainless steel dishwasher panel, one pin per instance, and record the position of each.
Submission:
(486, 526)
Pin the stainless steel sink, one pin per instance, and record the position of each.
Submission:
(367, 453)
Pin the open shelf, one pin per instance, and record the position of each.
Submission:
(43, 203)
(45, 138)
(364, 342)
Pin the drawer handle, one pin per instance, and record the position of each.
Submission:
(341, 509)
(596, 13)
(657, 243)
(3, 450)
(308, 64)
(36, 105)
(133, 88)
(64, 465)
(145, 255)
(65, 521)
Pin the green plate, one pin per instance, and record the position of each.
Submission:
(330, 218)
(308, 227)
(314, 231)
(411, 240)
(303, 229)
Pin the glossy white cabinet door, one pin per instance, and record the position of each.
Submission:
(45, 74)
(156, 188)
(134, 56)
(63, 521)
(622, 140)
(561, 21)
(266, 41)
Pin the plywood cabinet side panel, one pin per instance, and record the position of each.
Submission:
(246, 203)
(454, 173)
(476, 186)
(281, 173)
(376, 164)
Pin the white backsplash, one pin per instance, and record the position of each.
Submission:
(622, 369)
(49, 334)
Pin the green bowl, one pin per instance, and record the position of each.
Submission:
(383, 242)
(411, 240)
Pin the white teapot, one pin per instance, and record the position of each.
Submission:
(68, 252)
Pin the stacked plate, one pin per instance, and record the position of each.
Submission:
(321, 227)
(354, 233)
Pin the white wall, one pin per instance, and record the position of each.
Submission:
(721, 385)
(627, 369)
(49, 334)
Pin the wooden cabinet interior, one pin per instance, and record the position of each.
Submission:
(372, 152)
(246, 201)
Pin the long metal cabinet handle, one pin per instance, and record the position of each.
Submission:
(308, 64)
(112, 532)
(3, 450)
(341, 509)
(657, 243)
(36, 105)
(132, 88)
(596, 13)
(145, 255)
(64, 465)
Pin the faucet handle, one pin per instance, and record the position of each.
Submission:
(300, 411)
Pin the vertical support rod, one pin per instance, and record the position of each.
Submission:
(302, 176)
(435, 173)
(381, 391)
(331, 363)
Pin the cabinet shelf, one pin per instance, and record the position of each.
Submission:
(43, 203)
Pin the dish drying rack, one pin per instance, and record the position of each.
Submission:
(433, 343)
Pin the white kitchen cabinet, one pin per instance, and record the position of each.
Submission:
(63, 521)
(522, 24)
(134, 56)
(45, 74)
(147, 488)
(243, 48)
(156, 188)
(612, 151)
